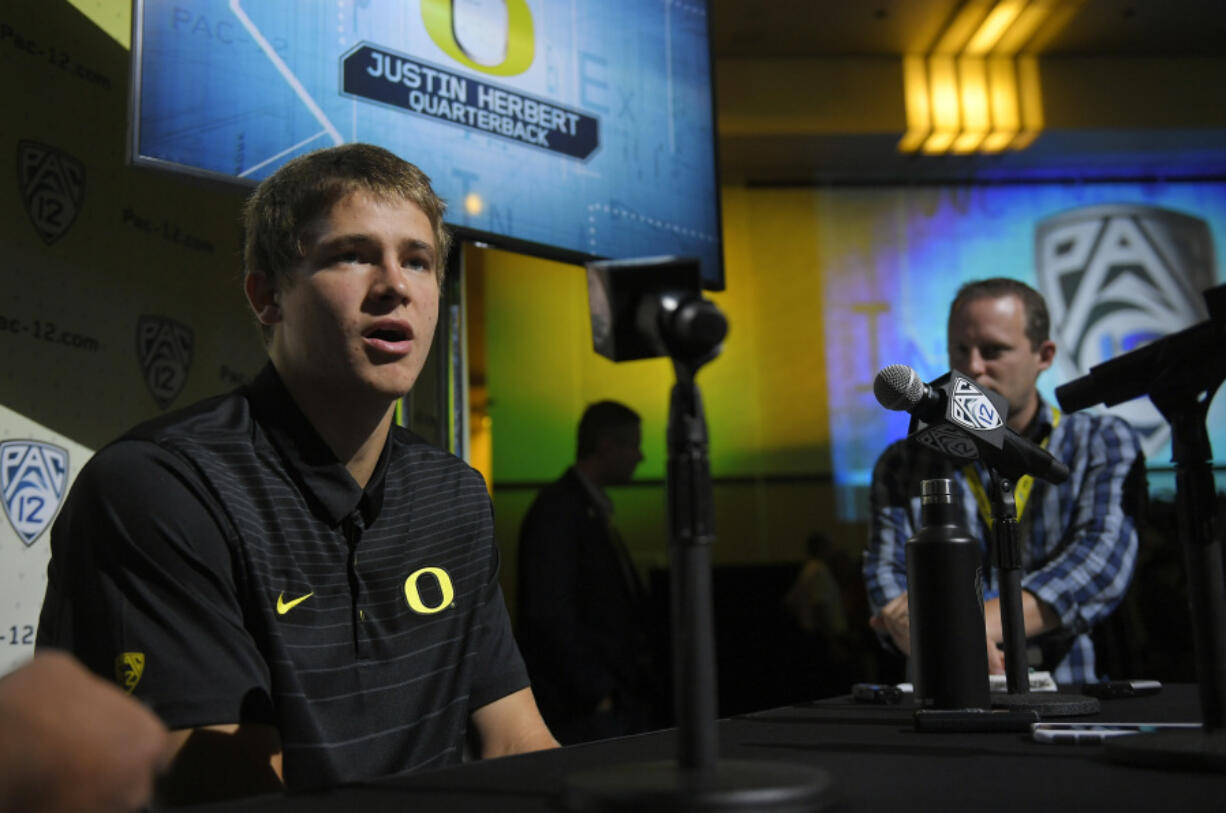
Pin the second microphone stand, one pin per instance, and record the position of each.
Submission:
(698, 780)
(1183, 397)
(1018, 696)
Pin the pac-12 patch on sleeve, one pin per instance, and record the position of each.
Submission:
(129, 667)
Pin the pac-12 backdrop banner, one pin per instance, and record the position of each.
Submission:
(120, 288)
(1119, 265)
(583, 125)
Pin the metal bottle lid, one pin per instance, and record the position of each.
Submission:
(936, 491)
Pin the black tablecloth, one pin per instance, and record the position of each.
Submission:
(877, 761)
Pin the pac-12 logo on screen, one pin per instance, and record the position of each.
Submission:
(52, 185)
(32, 478)
(1116, 277)
(164, 348)
(490, 36)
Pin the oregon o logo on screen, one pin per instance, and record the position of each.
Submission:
(490, 36)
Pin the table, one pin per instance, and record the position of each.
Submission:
(877, 759)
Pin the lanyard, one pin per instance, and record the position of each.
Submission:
(1021, 491)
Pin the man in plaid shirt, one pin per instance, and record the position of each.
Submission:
(1079, 538)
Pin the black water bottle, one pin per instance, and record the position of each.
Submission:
(945, 599)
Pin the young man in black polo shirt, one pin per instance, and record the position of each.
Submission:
(304, 592)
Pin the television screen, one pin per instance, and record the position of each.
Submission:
(1119, 265)
(573, 129)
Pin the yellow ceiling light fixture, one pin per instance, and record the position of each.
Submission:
(971, 92)
(943, 97)
(1002, 100)
(999, 20)
(915, 98)
(976, 113)
(1028, 21)
(1031, 102)
(962, 27)
(1056, 14)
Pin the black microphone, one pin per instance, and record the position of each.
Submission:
(1190, 359)
(898, 387)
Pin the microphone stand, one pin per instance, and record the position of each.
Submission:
(1018, 696)
(691, 512)
(698, 780)
(1003, 465)
(1181, 373)
(1185, 405)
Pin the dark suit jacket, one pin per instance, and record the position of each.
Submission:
(581, 620)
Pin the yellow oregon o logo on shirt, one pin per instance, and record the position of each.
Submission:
(412, 596)
(520, 42)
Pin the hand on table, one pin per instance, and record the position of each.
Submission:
(996, 658)
(895, 619)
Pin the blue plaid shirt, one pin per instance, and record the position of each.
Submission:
(1079, 539)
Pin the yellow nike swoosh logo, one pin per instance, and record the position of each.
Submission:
(284, 606)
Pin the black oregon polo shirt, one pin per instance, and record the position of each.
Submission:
(222, 565)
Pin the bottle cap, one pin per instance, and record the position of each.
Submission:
(937, 491)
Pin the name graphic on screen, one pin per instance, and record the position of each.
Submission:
(569, 129)
(381, 75)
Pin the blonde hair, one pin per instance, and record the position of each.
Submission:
(281, 208)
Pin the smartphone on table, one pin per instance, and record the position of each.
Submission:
(1093, 733)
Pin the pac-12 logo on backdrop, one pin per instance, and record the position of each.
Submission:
(1116, 277)
(164, 348)
(52, 185)
(32, 478)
